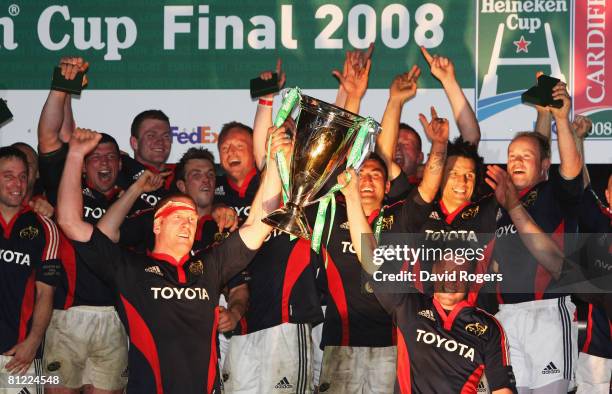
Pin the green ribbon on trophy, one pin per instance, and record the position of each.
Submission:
(365, 129)
(291, 99)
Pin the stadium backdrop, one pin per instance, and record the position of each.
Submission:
(194, 60)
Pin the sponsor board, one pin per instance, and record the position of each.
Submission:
(592, 41)
(516, 39)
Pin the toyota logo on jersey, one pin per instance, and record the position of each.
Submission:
(450, 345)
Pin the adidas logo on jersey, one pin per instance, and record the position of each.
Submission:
(24, 391)
(219, 191)
(434, 215)
(345, 226)
(481, 387)
(154, 270)
(87, 192)
(428, 314)
(283, 384)
(550, 368)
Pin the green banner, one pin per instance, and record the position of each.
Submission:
(154, 44)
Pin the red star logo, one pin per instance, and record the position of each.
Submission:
(521, 45)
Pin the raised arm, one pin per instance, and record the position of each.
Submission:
(403, 88)
(70, 196)
(354, 80)
(544, 119)
(437, 132)
(362, 236)
(543, 122)
(110, 223)
(543, 248)
(581, 127)
(253, 232)
(359, 59)
(443, 69)
(263, 117)
(571, 160)
(56, 121)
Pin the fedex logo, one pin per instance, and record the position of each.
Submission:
(198, 135)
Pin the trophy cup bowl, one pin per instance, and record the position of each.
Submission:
(324, 135)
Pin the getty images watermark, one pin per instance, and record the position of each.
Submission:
(405, 255)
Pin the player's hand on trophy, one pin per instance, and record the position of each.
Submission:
(581, 126)
(83, 141)
(441, 67)
(436, 129)
(350, 187)
(280, 140)
(354, 79)
(501, 183)
(282, 77)
(70, 66)
(559, 92)
(404, 86)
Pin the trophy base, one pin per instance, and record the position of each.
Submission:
(289, 219)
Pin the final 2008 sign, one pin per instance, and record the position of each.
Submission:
(194, 59)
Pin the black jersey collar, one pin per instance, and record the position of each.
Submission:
(175, 263)
(8, 227)
(448, 319)
(245, 185)
(450, 216)
(201, 221)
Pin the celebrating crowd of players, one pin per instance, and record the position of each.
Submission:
(133, 274)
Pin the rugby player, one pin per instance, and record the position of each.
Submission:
(272, 351)
(237, 187)
(595, 223)
(442, 332)
(404, 146)
(195, 176)
(457, 212)
(358, 338)
(29, 267)
(83, 304)
(544, 355)
(172, 316)
(595, 359)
